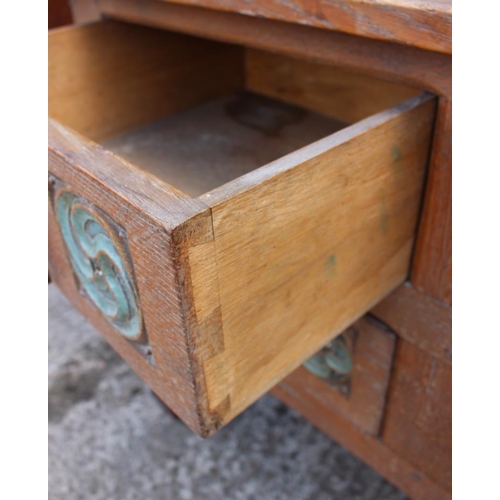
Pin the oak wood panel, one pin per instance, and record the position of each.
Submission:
(109, 76)
(347, 96)
(423, 23)
(406, 65)
(418, 419)
(294, 266)
(148, 210)
(372, 356)
(419, 319)
(432, 263)
(370, 449)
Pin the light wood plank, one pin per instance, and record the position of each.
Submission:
(109, 76)
(323, 88)
(309, 243)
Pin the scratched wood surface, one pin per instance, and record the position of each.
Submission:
(423, 23)
(422, 371)
(285, 234)
(205, 147)
(389, 61)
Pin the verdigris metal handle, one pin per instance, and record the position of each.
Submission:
(98, 253)
(333, 363)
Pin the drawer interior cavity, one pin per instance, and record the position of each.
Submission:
(197, 113)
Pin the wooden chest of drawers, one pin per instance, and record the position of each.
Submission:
(229, 190)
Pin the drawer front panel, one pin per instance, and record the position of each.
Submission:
(362, 399)
(113, 191)
(354, 420)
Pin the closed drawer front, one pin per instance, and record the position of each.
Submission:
(358, 393)
(221, 213)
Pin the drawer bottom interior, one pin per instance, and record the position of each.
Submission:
(209, 145)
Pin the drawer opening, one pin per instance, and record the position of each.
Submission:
(207, 146)
(196, 113)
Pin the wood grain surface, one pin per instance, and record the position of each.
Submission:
(432, 263)
(205, 147)
(107, 77)
(148, 210)
(391, 464)
(364, 405)
(422, 23)
(309, 243)
(326, 89)
(242, 284)
(403, 64)
(418, 421)
(419, 319)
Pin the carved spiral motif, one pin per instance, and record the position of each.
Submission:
(99, 258)
(333, 363)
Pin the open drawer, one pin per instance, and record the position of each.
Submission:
(221, 213)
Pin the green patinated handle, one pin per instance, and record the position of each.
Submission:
(99, 256)
(333, 362)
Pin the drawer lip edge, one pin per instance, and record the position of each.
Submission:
(293, 160)
(163, 203)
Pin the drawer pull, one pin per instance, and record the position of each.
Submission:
(98, 254)
(333, 363)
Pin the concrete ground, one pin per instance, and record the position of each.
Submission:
(110, 439)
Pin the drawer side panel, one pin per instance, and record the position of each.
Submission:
(306, 245)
